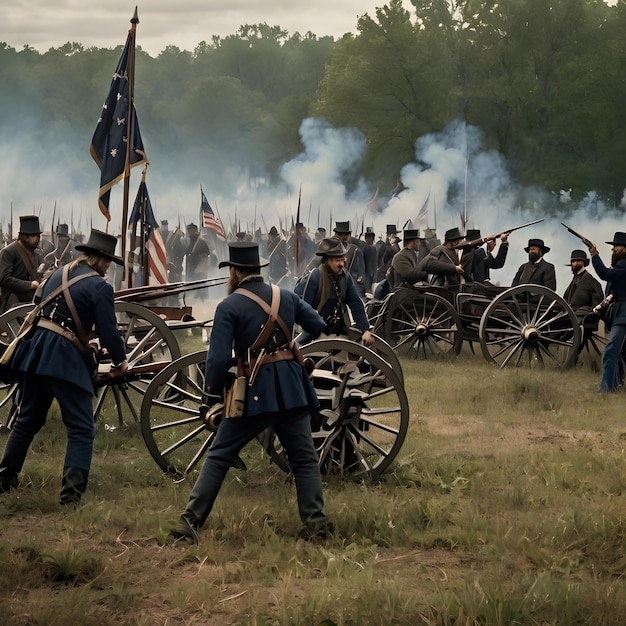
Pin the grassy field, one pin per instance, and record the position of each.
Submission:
(505, 506)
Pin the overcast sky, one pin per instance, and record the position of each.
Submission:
(44, 24)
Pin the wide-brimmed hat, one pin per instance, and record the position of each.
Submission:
(578, 255)
(472, 234)
(29, 225)
(539, 244)
(342, 227)
(453, 234)
(330, 246)
(619, 239)
(63, 229)
(410, 235)
(391, 229)
(244, 255)
(101, 244)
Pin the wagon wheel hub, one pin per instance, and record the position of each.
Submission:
(421, 330)
(531, 334)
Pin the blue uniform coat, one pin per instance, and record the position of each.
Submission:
(48, 354)
(617, 277)
(279, 386)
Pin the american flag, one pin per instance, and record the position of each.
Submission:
(108, 145)
(154, 258)
(208, 217)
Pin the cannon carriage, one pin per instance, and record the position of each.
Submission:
(359, 431)
(526, 325)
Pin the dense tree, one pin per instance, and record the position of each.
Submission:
(543, 79)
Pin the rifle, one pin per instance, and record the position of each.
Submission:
(482, 240)
(581, 237)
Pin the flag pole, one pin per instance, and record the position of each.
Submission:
(129, 133)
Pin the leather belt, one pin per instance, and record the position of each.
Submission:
(275, 357)
(44, 322)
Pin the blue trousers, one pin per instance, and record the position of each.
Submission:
(610, 358)
(37, 395)
(233, 434)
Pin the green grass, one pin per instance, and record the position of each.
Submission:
(504, 506)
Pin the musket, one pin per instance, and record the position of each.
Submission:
(581, 237)
(482, 240)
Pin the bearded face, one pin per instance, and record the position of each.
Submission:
(533, 257)
(619, 254)
(233, 281)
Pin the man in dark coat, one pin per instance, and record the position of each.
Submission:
(52, 365)
(405, 267)
(197, 257)
(277, 255)
(616, 324)
(385, 249)
(331, 291)
(537, 271)
(175, 249)
(355, 264)
(280, 396)
(443, 261)
(369, 259)
(584, 292)
(19, 265)
(478, 262)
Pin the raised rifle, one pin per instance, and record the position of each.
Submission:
(482, 240)
(581, 237)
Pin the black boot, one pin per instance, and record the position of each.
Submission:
(73, 485)
(8, 479)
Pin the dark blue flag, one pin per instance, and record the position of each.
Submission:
(108, 145)
(153, 260)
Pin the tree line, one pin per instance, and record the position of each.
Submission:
(543, 79)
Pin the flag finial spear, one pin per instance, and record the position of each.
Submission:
(135, 18)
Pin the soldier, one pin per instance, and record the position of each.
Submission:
(537, 271)
(64, 250)
(584, 292)
(280, 395)
(331, 291)
(385, 250)
(175, 249)
(355, 264)
(369, 259)
(405, 266)
(197, 256)
(53, 364)
(443, 261)
(306, 250)
(477, 262)
(277, 255)
(616, 322)
(19, 263)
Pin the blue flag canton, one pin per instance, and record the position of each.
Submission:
(108, 145)
(142, 211)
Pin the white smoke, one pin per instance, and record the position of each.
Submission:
(453, 176)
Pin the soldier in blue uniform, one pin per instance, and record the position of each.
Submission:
(281, 394)
(53, 366)
(616, 324)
